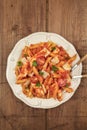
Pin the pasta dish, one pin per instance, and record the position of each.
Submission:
(43, 70)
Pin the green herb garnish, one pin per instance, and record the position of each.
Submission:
(41, 73)
(19, 63)
(54, 68)
(53, 48)
(25, 55)
(38, 84)
(34, 63)
(67, 85)
(26, 87)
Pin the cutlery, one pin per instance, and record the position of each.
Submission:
(81, 60)
(79, 76)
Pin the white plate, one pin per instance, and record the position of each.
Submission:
(12, 60)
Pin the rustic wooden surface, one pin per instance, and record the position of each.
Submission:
(19, 18)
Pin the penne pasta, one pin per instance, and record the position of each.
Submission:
(55, 90)
(20, 81)
(35, 70)
(71, 59)
(43, 70)
(46, 63)
(32, 46)
(69, 90)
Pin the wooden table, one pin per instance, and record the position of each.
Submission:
(19, 18)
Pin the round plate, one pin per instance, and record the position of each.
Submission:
(13, 58)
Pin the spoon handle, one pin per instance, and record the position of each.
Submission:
(79, 76)
(81, 60)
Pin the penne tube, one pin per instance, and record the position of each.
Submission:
(72, 59)
(46, 81)
(20, 81)
(55, 90)
(69, 90)
(52, 54)
(44, 89)
(29, 53)
(55, 75)
(60, 95)
(61, 63)
(35, 70)
(33, 46)
(50, 81)
(46, 63)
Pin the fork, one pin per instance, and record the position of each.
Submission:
(79, 76)
(76, 65)
(81, 60)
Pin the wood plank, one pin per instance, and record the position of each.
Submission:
(24, 123)
(3, 74)
(69, 19)
(4, 122)
(63, 123)
(18, 19)
(19, 109)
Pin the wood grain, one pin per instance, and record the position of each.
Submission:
(19, 18)
(68, 18)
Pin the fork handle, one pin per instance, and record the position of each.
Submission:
(81, 60)
(80, 76)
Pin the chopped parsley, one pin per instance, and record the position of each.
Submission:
(67, 85)
(41, 73)
(38, 84)
(19, 63)
(25, 55)
(34, 63)
(26, 87)
(54, 68)
(53, 48)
